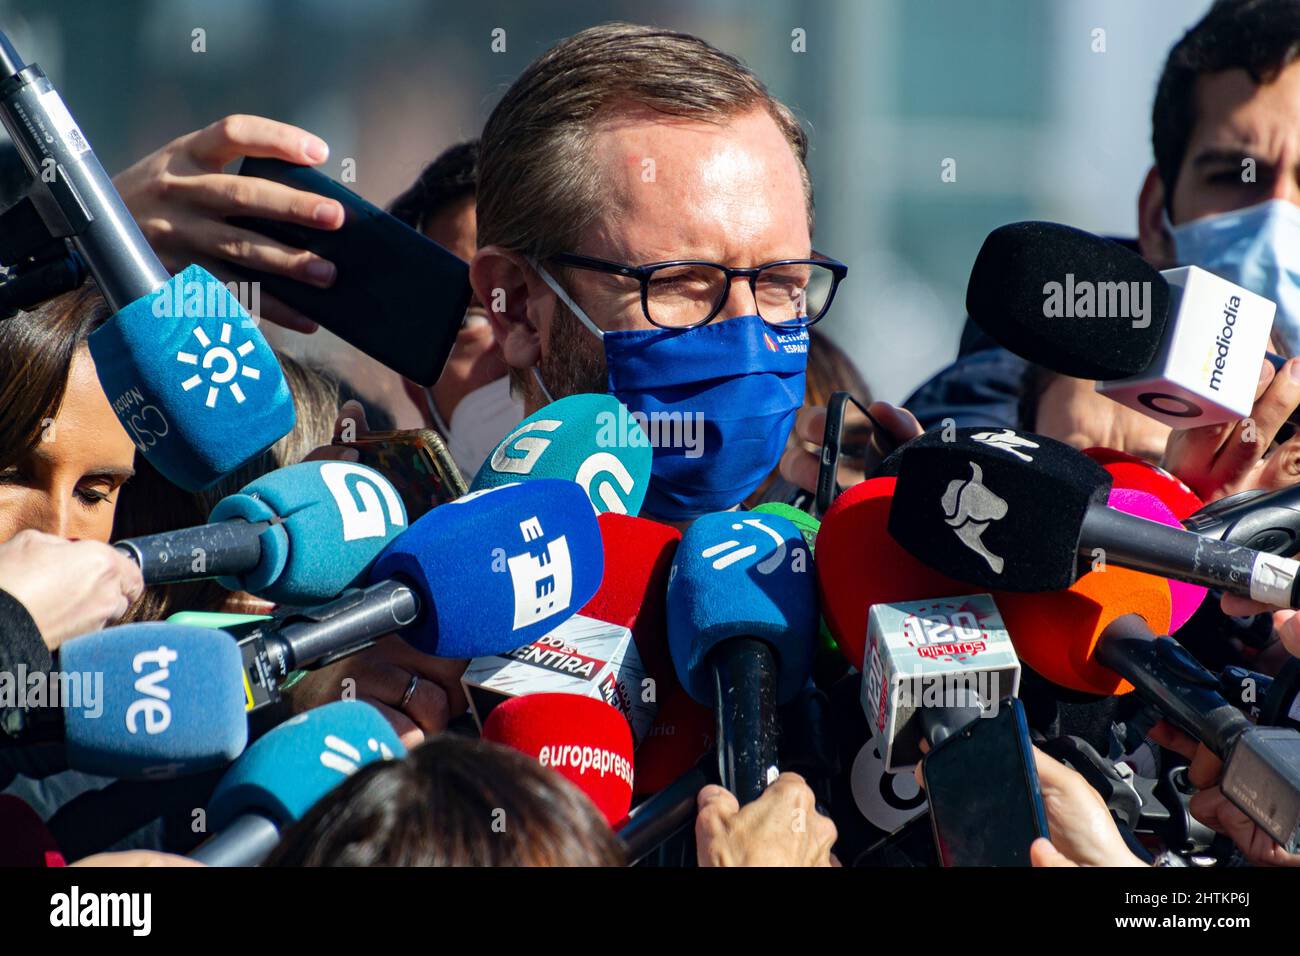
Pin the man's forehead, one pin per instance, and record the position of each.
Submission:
(673, 182)
(1233, 112)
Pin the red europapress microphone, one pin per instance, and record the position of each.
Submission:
(583, 739)
(24, 839)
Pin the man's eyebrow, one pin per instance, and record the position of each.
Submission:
(1213, 155)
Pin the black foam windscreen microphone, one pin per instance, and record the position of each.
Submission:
(1017, 511)
(1007, 292)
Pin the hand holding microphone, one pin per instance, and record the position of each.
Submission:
(68, 587)
(781, 828)
(1212, 807)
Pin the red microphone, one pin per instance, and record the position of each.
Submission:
(583, 739)
(24, 839)
(1129, 471)
(681, 734)
(638, 556)
(859, 564)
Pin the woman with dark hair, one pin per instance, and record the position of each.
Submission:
(63, 453)
(453, 801)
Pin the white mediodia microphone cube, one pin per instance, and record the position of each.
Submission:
(1207, 368)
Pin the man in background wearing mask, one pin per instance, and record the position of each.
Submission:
(471, 404)
(1224, 194)
(644, 221)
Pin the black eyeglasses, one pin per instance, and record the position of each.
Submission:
(686, 293)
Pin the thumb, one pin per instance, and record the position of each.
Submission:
(1042, 853)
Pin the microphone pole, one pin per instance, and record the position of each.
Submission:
(744, 702)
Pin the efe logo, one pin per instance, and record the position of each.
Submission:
(542, 580)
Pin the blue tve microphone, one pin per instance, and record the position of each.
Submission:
(285, 772)
(742, 623)
(591, 439)
(298, 535)
(497, 569)
(172, 701)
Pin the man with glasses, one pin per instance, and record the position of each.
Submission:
(645, 229)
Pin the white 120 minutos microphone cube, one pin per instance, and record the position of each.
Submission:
(938, 653)
(1207, 368)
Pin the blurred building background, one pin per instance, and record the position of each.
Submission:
(1038, 121)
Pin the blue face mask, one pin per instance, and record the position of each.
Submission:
(718, 403)
(1257, 248)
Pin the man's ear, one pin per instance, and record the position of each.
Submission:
(504, 282)
(1154, 240)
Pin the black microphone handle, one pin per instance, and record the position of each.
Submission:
(659, 817)
(224, 548)
(84, 207)
(1268, 521)
(1280, 707)
(1132, 542)
(1244, 689)
(744, 697)
(349, 623)
(246, 842)
(1167, 676)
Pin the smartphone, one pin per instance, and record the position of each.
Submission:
(418, 464)
(986, 806)
(398, 296)
(852, 438)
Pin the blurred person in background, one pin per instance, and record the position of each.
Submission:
(471, 405)
(1223, 194)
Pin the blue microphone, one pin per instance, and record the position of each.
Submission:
(187, 372)
(742, 624)
(497, 569)
(172, 701)
(331, 519)
(192, 379)
(591, 439)
(298, 535)
(285, 772)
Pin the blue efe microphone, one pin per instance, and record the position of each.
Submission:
(591, 439)
(285, 772)
(192, 379)
(497, 569)
(298, 535)
(173, 701)
(742, 625)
